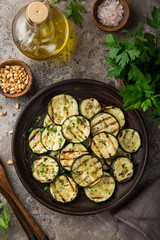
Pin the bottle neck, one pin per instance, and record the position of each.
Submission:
(36, 20)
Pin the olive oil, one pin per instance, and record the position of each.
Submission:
(40, 31)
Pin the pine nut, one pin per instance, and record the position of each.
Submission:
(10, 162)
(17, 106)
(2, 114)
(10, 132)
(13, 79)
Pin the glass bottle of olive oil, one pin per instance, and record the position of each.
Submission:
(40, 31)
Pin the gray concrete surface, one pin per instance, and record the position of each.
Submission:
(85, 59)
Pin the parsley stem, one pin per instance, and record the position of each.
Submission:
(158, 95)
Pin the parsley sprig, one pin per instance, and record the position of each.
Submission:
(74, 10)
(137, 61)
(4, 222)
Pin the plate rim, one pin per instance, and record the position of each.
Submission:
(123, 199)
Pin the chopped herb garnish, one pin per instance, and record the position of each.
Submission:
(39, 118)
(105, 124)
(84, 120)
(80, 137)
(54, 130)
(26, 159)
(78, 120)
(55, 114)
(45, 159)
(32, 155)
(60, 139)
(24, 134)
(129, 174)
(46, 188)
(42, 171)
(68, 127)
(30, 130)
(73, 124)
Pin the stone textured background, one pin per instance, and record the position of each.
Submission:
(85, 59)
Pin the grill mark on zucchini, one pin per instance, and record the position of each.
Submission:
(103, 129)
(80, 165)
(36, 145)
(69, 183)
(83, 135)
(59, 113)
(111, 141)
(92, 183)
(114, 131)
(52, 115)
(82, 122)
(62, 198)
(97, 148)
(72, 151)
(73, 135)
(33, 136)
(101, 121)
(65, 104)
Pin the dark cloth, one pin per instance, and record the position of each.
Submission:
(140, 218)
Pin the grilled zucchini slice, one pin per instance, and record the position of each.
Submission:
(104, 122)
(63, 189)
(52, 138)
(61, 107)
(45, 169)
(35, 141)
(89, 107)
(104, 145)
(103, 190)
(119, 153)
(76, 129)
(129, 140)
(70, 153)
(122, 169)
(47, 121)
(86, 170)
(117, 113)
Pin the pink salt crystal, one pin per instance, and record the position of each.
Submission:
(110, 12)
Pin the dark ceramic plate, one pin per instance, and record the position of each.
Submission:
(23, 159)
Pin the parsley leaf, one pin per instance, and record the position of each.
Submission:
(74, 10)
(4, 221)
(136, 60)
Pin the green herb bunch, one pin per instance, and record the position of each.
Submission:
(74, 10)
(4, 222)
(137, 62)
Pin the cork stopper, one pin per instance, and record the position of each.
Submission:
(37, 12)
